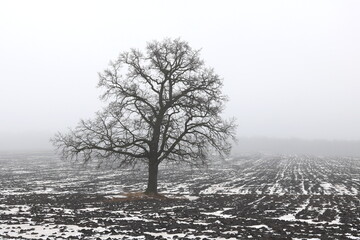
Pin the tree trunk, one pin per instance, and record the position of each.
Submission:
(152, 179)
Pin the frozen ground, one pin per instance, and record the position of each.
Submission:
(251, 196)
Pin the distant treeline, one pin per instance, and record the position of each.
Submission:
(297, 146)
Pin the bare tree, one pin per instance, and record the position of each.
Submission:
(164, 105)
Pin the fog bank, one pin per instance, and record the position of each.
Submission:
(297, 146)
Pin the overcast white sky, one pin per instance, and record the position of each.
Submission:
(291, 68)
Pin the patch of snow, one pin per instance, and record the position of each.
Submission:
(116, 196)
(219, 213)
(291, 216)
(351, 236)
(191, 198)
(260, 226)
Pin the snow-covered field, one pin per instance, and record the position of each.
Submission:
(250, 196)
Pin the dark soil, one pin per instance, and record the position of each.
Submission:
(194, 205)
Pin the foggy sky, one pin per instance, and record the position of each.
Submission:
(290, 68)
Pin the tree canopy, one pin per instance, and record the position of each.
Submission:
(164, 104)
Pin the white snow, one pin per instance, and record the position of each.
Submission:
(291, 216)
(260, 226)
(219, 213)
